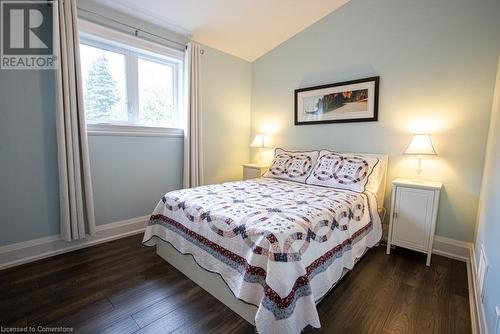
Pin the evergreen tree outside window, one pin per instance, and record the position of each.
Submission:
(101, 93)
(127, 86)
(104, 82)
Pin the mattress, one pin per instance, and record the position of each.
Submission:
(278, 245)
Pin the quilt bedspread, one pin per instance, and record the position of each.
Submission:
(278, 245)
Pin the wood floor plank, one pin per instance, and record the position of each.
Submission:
(232, 323)
(89, 271)
(183, 316)
(338, 316)
(149, 292)
(187, 293)
(384, 293)
(84, 308)
(125, 326)
(87, 255)
(459, 308)
(123, 287)
(97, 276)
(369, 319)
(431, 314)
(459, 282)
(208, 320)
(403, 315)
(74, 296)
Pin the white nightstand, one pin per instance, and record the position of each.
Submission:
(414, 209)
(252, 171)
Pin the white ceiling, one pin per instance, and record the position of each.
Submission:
(244, 28)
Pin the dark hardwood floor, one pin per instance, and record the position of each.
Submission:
(122, 287)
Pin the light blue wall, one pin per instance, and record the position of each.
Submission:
(436, 60)
(488, 228)
(131, 174)
(29, 204)
(226, 88)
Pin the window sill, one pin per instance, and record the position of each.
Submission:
(132, 131)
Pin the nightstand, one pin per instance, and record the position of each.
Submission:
(414, 208)
(252, 171)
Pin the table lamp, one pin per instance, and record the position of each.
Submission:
(260, 141)
(420, 145)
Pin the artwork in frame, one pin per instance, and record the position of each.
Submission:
(342, 102)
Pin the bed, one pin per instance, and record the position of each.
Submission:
(268, 248)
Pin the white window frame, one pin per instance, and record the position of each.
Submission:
(134, 48)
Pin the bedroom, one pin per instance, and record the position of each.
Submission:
(71, 257)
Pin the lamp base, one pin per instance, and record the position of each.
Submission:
(419, 168)
(259, 156)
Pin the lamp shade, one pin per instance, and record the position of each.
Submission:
(421, 145)
(260, 141)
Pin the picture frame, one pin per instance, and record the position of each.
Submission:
(341, 102)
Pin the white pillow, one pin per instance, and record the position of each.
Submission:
(344, 171)
(375, 179)
(292, 165)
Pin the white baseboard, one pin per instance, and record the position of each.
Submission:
(475, 295)
(32, 250)
(451, 248)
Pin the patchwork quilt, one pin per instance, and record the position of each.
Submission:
(279, 245)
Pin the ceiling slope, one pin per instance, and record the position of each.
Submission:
(244, 28)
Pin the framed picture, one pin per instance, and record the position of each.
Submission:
(342, 102)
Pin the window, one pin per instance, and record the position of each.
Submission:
(156, 93)
(128, 82)
(104, 82)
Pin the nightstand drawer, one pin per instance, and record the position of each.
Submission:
(412, 218)
(252, 171)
